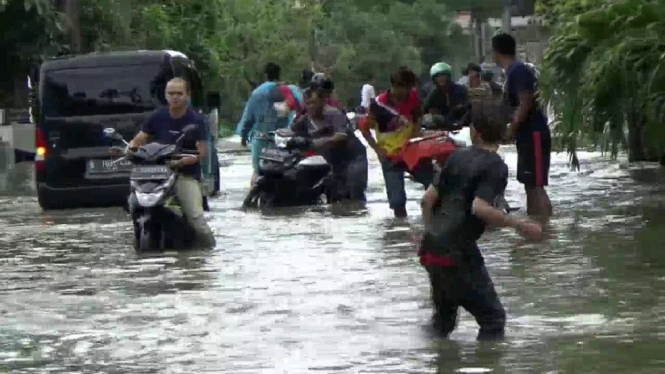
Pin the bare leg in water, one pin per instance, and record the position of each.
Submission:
(538, 204)
(252, 182)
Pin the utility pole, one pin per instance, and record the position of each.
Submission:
(476, 24)
(506, 22)
(72, 8)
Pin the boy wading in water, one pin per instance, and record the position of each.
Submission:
(456, 208)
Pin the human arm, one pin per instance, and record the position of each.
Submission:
(201, 137)
(522, 83)
(147, 130)
(249, 118)
(430, 200)
(365, 125)
(491, 186)
(139, 140)
(428, 103)
(416, 114)
(336, 126)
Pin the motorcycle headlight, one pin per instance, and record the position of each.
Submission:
(149, 199)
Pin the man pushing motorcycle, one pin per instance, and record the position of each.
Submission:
(160, 127)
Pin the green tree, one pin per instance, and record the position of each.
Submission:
(232, 39)
(603, 74)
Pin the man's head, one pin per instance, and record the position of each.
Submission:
(402, 83)
(306, 77)
(504, 48)
(474, 71)
(465, 72)
(489, 117)
(177, 93)
(323, 81)
(441, 74)
(273, 72)
(316, 101)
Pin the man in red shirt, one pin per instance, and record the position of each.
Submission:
(395, 117)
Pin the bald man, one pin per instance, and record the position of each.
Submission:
(159, 128)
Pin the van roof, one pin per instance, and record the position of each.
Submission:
(100, 59)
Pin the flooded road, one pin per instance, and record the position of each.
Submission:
(331, 291)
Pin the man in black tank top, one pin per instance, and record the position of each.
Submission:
(457, 207)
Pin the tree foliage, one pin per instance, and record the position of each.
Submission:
(232, 39)
(604, 73)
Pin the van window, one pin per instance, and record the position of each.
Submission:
(103, 90)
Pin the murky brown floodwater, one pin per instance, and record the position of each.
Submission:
(327, 292)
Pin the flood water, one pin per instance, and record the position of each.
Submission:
(326, 290)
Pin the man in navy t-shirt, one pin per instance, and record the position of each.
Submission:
(165, 126)
(528, 127)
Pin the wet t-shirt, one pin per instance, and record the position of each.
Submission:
(520, 78)
(338, 154)
(393, 123)
(165, 129)
(470, 173)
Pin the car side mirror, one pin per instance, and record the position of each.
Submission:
(111, 133)
(213, 100)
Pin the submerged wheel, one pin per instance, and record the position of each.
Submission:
(145, 241)
(252, 198)
(265, 201)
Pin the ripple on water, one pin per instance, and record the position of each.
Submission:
(323, 290)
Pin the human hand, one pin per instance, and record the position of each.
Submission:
(530, 230)
(116, 151)
(381, 152)
(176, 164)
(416, 236)
(338, 137)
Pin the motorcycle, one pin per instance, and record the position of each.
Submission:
(152, 203)
(290, 174)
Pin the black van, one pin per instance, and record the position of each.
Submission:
(79, 96)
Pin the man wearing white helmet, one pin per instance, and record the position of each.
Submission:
(448, 98)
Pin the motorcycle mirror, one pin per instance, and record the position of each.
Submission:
(111, 133)
(189, 128)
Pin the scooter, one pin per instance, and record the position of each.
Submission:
(156, 216)
(290, 175)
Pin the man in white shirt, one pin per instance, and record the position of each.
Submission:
(464, 79)
(367, 93)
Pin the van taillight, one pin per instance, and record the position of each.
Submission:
(40, 151)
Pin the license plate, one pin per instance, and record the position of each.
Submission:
(108, 166)
(274, 154)
(150, 172)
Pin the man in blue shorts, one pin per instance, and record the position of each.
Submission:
(528, 127)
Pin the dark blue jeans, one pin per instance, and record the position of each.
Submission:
(393, 175)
